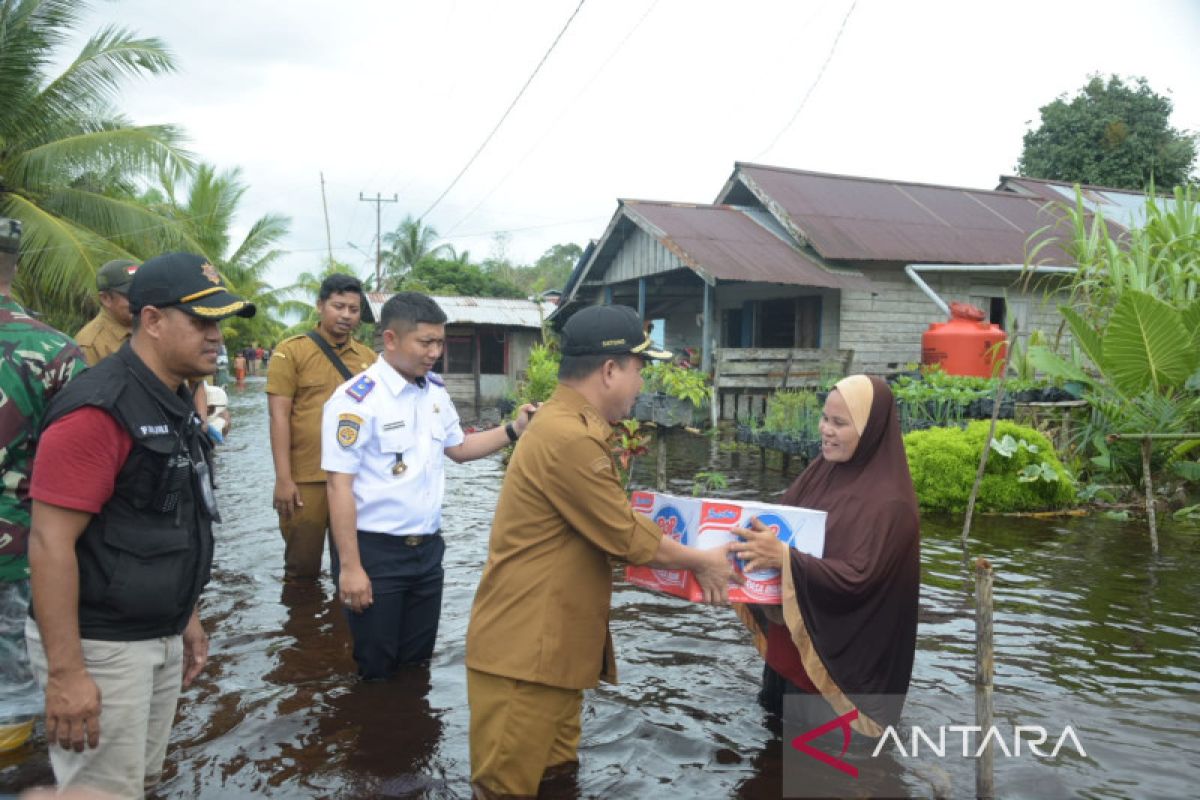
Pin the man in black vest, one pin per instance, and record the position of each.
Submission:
(121, 542)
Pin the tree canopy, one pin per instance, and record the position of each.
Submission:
(1111, 133)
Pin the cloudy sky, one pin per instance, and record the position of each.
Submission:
(651, 99)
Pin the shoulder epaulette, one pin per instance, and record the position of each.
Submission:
(361, 387)
(435, 379)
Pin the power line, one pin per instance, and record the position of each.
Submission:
(504, 116)
(566, 109)
(817, 80)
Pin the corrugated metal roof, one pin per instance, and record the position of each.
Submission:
(727, 243)
(1123, 206)
(502, 311)
(866, 219)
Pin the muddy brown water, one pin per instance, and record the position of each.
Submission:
(1091, 630)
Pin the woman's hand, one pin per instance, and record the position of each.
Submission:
(761, 550)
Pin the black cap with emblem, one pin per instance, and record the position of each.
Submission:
(608, 330)
(188, 282)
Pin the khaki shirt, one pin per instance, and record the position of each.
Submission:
(101, 337)
(300, 370)
(541, 611)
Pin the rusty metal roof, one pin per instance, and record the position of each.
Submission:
(501, 311)
(865, 219)
(1123, 206)
(728, 243)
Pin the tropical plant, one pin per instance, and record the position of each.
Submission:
(629, 442)
(793, 411)
(300, 299)
(676, 381)
(205, 211)
(707, 482)
(541, 376)
(408, 245)
(70, 162)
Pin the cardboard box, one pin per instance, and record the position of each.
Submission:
(706, 523)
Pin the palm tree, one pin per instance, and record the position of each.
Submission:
(206, 217)
(69, 161)
(409, 244)
(302, 297)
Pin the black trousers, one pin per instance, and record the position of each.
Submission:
(400, 626)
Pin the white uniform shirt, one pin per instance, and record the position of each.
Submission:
(369, 424)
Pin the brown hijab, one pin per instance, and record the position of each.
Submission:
(853, 613)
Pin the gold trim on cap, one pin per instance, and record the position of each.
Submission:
(222, 311)
(642, 346)
(201, 293)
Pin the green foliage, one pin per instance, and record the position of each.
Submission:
(1134, 315)
(69, 161)
(676, 381)
(1109, 134)
(708, 482)
(206, 214)
(1023, 473)
(541, 376)
(445, 277)
(793, 411)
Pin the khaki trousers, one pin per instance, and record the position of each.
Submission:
(519, 730)
(139, 686)
(304, 534)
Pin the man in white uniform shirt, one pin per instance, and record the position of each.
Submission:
(384, 437)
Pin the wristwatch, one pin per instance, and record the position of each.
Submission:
(511, 431)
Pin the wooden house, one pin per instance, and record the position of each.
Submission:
(821, 273)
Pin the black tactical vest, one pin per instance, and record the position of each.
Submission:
(145, 557)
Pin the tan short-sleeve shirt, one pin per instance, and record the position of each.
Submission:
(101, 337)
(541, 610)
(300, 370)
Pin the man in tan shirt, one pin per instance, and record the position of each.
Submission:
(109, 329)
(300, 378)
(538, 634)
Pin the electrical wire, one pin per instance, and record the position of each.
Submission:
(566, 109)
(504, 116)
(811, 88)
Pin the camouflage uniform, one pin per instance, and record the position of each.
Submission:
(35, 362)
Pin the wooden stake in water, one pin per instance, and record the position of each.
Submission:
(984, 662)
(660, 472)
(1146, 444)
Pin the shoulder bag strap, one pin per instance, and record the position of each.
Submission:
(331, 355)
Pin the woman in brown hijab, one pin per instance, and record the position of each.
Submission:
(849, 620)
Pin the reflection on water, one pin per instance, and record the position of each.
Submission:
(1082, 610)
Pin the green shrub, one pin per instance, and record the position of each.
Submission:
(792, 411)
(1023, 472)
(673, 380)
(541, 376)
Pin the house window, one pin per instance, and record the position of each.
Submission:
(458, 356)
(790, 322)
(491, 352)
(998, 312)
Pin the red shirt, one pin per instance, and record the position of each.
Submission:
(77, 460)
(784, 658)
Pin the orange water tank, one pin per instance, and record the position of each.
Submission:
(966, 345)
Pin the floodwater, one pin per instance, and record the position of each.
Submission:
(1091, 630)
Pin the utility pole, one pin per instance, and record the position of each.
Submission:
(378, 201)
(325, 206)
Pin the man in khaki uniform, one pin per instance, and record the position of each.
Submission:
(110, 328)
(300, 378)
(538, 634)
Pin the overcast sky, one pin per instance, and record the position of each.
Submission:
(640, 99)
